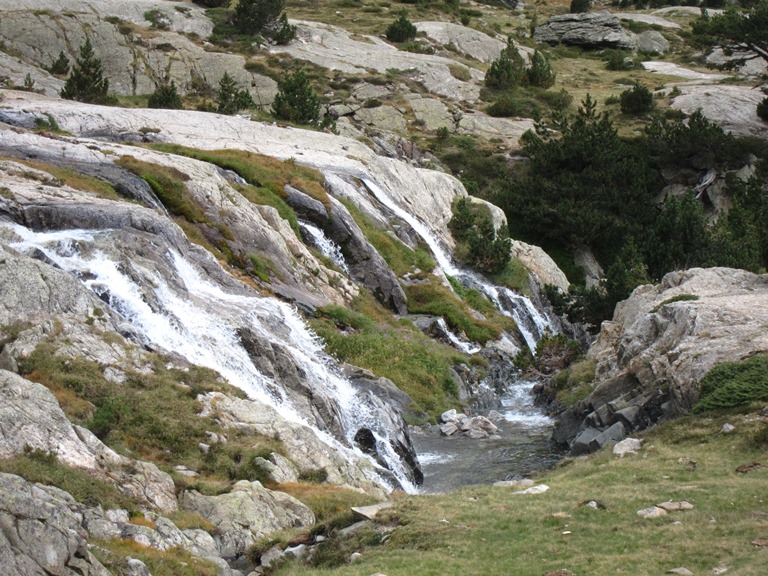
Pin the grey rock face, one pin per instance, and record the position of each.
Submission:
(40, 532)
(467, 41)
(652, 41)
(588, 30)
(649, 363)
(733, 108)
(246, 513)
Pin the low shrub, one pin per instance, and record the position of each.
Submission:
(636, 100)
(401, 30)
(734, 384)
(762, 109)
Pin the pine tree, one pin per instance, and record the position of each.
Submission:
(540, 73)
(508, 70)
(296, 101)
(86, 83)
(165, 96)
(253, 16)
(401, 29)
(60, 66)
(230, 100)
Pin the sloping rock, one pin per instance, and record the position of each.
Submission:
(652, 41)
(652, 355)
(30, 416)
(134, 64)
(692, 76)
(15, 70)
(431, 113)
(540, 265)
(334, 48)
(246, 513)
(466, 41)
(40, 532)
(387, 118)
(648, 19)
(587, 30)
(733, 108)
(508, 130)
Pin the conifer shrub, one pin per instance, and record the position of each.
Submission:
(540, 72)
(762, 109)
(253, 16)
(734, 384)
(87, 82)
(60, 66)
(230, 100)
(636, 100)
(213, 3)
(296, 100)
(580, 6)
(508, 70)
(401, 30)
(165, 96)
(481, 245)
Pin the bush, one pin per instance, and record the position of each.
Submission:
(540, 73)
(485, 248)
(762, 109)
(285, 32)
(253, 16)
(230, 100)
(506, 106)
(580, 6)
(401, 30)
(213, 3)
(734, 384)
(165, 96)
(60, 66)
(619, 60)
(296, 101)
(636, 100)
(508, 70)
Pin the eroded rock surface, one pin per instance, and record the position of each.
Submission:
(588, 30)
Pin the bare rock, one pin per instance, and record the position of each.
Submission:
(652, 512)
(676, 506)
(540, 265)
(246, 513)
(537, 489)
(652, 41)
(370, 512)
(588, 30)
(467, 41)
(628, 446)
(680, 571)
(733, 108)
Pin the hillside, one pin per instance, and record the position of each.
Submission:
(256, 267)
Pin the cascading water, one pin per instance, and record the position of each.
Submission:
(327, 247)
(179, 310)
(530, 321)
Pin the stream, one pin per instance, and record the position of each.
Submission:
(521, 447)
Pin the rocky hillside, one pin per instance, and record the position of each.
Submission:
(215, 329)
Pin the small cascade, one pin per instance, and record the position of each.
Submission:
(531, 322)
(463, 345)
(325, 245)
(173, 307)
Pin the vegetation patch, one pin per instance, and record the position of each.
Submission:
(173, 562)
(734, 384)
(673, 299)
(76, 180)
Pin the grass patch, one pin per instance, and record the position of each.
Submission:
(678, 298)
(514, 276)
(174, 562)
(436, 299)
(400, 258)
(76, 180)
(44, 468)
(490, 531)
(734, 384)
(331, 504)
(398, 351)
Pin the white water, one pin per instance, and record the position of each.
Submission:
(463, 345)
(517, 406)
(200, 322)
(327, 247)
(530, 321)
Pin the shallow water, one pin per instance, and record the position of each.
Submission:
(521, 448)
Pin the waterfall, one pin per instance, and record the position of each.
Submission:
(530, 321)
(174, 307)
(327, 247)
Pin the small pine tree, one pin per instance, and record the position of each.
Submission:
(580, 6)
(295, 100)
(253, 16)
(60, 66)
(508, 70)
(636, 100)
(87, 83)
(540, 73)
(762, 109)
(401, 30)
(165, 96)
(230, 100)
(285, 32)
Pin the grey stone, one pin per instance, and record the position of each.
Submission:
(733, 108)
(652, 512)
(448, 429)
(467, 41)
(370, 512)
(135, 567)
(384, 117)
(652, 41)
(432, 114)
(588, 30)
(628, 446)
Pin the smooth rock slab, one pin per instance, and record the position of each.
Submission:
(676, 506)
(652, 512)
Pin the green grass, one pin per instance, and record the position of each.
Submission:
(174, 562)
(45, 468)
(418, 365)
(673, 299)
(490, 531)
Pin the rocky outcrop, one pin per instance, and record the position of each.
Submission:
(662, 340)
(733, 108)
(540, 265)
(30, 417)
(467, 41)
(246, 513)
(135, 52)
(587, 30)
(41, 532)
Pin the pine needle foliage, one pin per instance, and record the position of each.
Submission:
(296, 100)
(87, 82)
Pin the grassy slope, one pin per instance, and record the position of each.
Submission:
(490, 531)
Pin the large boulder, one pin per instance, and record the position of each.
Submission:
(733, 108)
(662, 340)
(246, 513)
(41, 533)
(467, 41)
(587, 30)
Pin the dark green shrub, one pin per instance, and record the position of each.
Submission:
(296, 100)
(619, 60)
(213, 3)
(762, 109)
(580, 6)
(60, 66)
(230, 100)
(87, 82)
(253, 16)
(401, 30)
(505, 107)
(734, 384)
(484, 247)
(165, 96)
(540, 72)
(636, 100)
(285, 32)
(508, 70)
